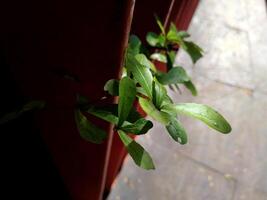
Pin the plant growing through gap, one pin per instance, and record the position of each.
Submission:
(142, 82)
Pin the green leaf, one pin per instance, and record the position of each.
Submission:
(204, 113)
(159, 94)
(110, 114)
(175, 75)
(141, 58)
(159, 57)
(87, 130)
(160, 25)
(190, 86)
(183, 34)
(155, 40)
(127, 93)
(104, 114)
(140, 156)
(141, 74)
(112, 87)
(153, 112)
(32, 105)
(134, 45)
(193, 50)
(177, 131)
(172, 34)
(139, 127)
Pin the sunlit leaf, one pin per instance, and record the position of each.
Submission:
(139, 127)
(141, 58)
(127, 93)
(159, 57)
(88, 130)
(112, 87)
(202, 112)
(160, 25)
(153, 112)
(155, 40)
(140, 156)
(177, 131)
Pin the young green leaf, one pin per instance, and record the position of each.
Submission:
(155, 40)
(141, 126)
(127, 93)
(160, 25)
(140, 156)
(112, 87)
(153, 112)
(141, 74)
(134, 45)
(175, 75)
(172, 34)
(142, 59)
(190, 86)
(177, 131)
(88, 130)
(193, 50)
(204, 113)
(159, 57)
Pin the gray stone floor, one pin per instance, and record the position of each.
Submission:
(232, 77)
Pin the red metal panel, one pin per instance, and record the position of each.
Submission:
(41, 38)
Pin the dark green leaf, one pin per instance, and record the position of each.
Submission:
(82, 100)
(141, 58)
(127, 93)
(110, 113)
(104, 114)
(177, 131)
(112, 87)
(153, 112)
(139, 127)
(87, 130)
(175, 75)
(134, 45)
(204, 113)
(190, 86)
(141, 74)
(140, 156)
(159, 57)
(193, 50)
(32, 105)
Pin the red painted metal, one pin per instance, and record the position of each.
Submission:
(42, 39)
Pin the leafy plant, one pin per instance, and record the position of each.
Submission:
(141, 82)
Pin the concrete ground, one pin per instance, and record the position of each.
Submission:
(232, 77)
